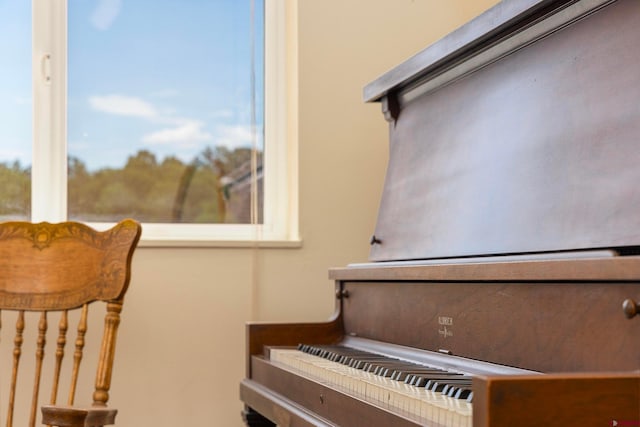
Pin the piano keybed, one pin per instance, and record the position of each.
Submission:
(430, 394)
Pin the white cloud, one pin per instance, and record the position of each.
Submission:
(234, 136)
(105, 14)
(189, 132)
(182, 132)
(123, 106)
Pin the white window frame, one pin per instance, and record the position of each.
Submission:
(49, 166)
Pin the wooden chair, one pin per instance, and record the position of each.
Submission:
(48, 272)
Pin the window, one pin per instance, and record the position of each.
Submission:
(156, 110)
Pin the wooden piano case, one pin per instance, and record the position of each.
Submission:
(508, 230)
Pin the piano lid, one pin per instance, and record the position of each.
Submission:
(518, 133)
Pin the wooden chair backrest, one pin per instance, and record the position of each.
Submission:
(59, 268)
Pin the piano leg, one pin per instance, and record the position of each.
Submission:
(254, 419)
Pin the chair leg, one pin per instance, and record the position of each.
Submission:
(254, 419)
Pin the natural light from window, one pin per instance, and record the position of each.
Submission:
(165, 105)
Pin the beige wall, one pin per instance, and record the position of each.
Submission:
(181, 348)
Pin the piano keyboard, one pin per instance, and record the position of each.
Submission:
(428, 394)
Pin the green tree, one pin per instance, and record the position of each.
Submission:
(153, 191)
(15, 191)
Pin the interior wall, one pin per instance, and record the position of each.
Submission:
(181, 347)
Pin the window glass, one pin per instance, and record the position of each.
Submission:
(165, 104)
(15, 109)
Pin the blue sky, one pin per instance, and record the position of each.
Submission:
(169, 76)
(15, 80)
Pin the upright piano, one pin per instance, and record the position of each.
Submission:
(505, 264)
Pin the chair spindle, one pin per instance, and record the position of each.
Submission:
(40, 344)
(17, 351)
(77, 355)
(107, 353)
(0, 331)
(63, 326)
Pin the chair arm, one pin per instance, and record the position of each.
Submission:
(70, 416)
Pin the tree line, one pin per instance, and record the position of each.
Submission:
(145, 188)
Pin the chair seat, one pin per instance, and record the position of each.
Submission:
(69, 416)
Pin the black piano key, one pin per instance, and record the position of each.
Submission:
(403, 374)
(434, 385)
(463, 393)
(453, 390)
(420, 381)
(439, 385)
(415, 376)
(380, 369)
(377, 369)
(383, 372)
(359, 364)
(423, 379)
(447, 389)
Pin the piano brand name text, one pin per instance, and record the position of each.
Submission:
(444, 320)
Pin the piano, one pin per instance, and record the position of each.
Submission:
(504, 267)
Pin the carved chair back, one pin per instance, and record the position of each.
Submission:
(48, 272)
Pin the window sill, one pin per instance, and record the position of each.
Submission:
(156, 235)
